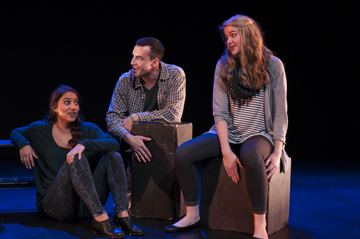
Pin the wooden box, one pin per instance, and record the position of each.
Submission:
(155, 191)
(226, 205)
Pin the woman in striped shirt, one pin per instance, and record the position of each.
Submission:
(250, 113)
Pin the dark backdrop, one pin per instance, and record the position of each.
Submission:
(88, 45)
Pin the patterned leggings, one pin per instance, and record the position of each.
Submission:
(75, 186)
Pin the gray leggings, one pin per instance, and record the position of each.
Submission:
(75, 186)
(252, 154)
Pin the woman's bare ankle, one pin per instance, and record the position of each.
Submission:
(102, 217)
(187, 221)
(122, 214)
(260, 226)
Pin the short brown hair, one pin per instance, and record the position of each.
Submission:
(157, 49)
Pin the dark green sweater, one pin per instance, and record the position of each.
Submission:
(51, 156)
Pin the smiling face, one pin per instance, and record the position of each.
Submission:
(233, 39)
(67, 109)
(141, 63)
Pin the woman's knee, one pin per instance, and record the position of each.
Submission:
(113, 155)
(183, 154)
(112, 159)
(83, 161)
(255, 150)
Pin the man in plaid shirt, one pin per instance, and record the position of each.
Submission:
(151, 91)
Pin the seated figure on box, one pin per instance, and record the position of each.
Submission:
(250, 113)
(151, 91)
(71, 179)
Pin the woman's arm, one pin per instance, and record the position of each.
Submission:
(280, 120)
(230, 160)
(220, 97)
(21, 138)
(220, 113)
(278, 107)
(94, 139)
(273, 161)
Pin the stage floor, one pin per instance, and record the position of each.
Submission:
(324, 203)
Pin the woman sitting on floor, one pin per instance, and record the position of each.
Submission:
(61, 149)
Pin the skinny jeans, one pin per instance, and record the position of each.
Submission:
(252, 153)
(75, 186)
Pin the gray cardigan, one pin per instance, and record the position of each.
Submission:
(276, 117)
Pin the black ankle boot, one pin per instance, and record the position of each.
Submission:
(128, 226)
(107, 228)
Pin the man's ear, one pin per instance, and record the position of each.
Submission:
(155, 62)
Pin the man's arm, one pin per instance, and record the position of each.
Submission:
(119, 123)
(118, 110)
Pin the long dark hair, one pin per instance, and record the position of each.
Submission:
(52, 116)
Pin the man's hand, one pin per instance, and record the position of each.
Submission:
(136, 142)
(27, 156)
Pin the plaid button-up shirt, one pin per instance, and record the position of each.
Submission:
(129, 98)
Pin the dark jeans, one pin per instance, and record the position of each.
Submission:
(252, 154)
(75, 185)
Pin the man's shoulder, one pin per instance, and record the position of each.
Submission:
(171, 67)
(127, 76)
(125, 80)
(172, 71)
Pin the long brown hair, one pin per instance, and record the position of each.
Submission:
(52, 117)
(254, 55)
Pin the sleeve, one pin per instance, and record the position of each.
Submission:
(21, 136)
(174, 105)
(279, 103)
(96, 140)
(118, 108)
(220, 97)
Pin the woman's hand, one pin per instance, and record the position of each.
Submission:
(230, 162)
(78, 149)
(273, 162)
(27, 156)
